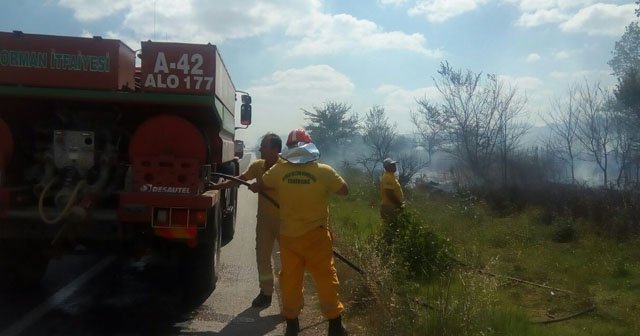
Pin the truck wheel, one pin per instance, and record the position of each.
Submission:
(22, 264)
(229, 217)
(230, 203)
(204, 260)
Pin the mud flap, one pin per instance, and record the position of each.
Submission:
(203, 262)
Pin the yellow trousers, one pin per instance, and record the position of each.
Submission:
(312, 251)
(267, 232)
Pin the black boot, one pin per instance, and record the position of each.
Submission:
(292, 327)
(261, 301)
(336, 328)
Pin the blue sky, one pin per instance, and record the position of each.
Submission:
(301, 53)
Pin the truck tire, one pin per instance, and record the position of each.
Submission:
(230, 202)
(203, 261)
(22, 264)
(229, 216)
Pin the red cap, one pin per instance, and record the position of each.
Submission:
(298, 135)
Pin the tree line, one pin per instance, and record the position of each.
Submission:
(479, 122)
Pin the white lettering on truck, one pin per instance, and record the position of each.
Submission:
(161, 64)
(188, 65)
(164, 189)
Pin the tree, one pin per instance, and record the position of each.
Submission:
(410, 165)
(625, 145)
(428, 121)
(379, 135)
(381, 138)
(478, 119)
(330, 125)
(596, 127)
(563, 121)
(626, 67)
(626, 53)
(627, 94)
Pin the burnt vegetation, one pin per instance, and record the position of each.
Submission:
(501, 229)
(582, 165)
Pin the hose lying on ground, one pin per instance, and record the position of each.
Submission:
(335, 253)
(553, 320)
(424, 304)
(570, 316)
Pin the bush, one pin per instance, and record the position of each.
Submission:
(503, 202)
(544, 217)
(565, 233)
(621, 269)
(422, 252)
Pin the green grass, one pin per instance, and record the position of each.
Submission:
(598, 271)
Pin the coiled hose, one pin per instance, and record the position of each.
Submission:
(67, 207)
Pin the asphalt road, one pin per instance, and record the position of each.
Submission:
(228, 310)
(103, 295)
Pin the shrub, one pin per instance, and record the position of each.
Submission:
(503, 202)
(544, 217)
(621, 269)
(422, 252)
(565, 233)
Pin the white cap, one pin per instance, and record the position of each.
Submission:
(388, 161)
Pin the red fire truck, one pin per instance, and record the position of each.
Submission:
(99, 153)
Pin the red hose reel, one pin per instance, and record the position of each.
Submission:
(166, 153)
(168, 135)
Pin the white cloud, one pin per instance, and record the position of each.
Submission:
(328, 34)
(576, 16)
(541, 17)
(523, 83)
(199, 21)
(603, 77)
(95, 9)
(561, 55)
(536, 5)
(396, 3)
(399, 102)
(534, 91)
(441, 10)
(533, 57)
(202, 21)
(601, 19)
(580, 75)
(278, 98)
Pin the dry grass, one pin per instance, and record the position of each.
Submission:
(568, 252)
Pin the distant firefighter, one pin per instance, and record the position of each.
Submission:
(391, 195)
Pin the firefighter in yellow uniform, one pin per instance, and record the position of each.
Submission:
(268, 221)
(391, 199)
(304, 187)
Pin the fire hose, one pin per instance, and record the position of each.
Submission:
(426, 305)
(67, 208)
(335, 253)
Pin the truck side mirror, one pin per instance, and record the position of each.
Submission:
(245, 111)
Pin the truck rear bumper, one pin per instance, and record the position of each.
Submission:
(138, 206)
(131, 220)
(25, 223)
